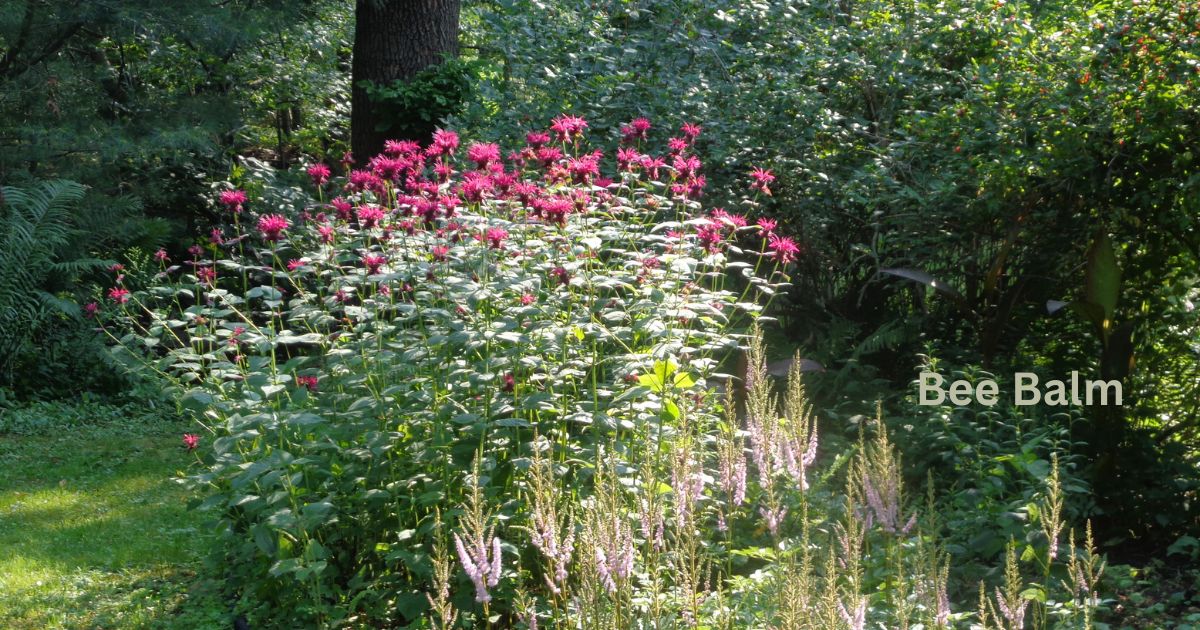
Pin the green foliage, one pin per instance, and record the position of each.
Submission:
(407, 108)
(39, 258)
(973, 147)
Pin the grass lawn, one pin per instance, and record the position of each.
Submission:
(94, 531)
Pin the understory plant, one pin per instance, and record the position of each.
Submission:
(460, 388)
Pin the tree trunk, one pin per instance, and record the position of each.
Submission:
(395, 39)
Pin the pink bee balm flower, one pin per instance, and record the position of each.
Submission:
(342, 207)
(637, 129)
(510, 382)
(783, 249)
(444, 142)
(294, 264)
(440, 253)
(363, 180)
(762, 180)
(483, 154)
(272, 226)
(373, 263)
(309, 382)
(233, 199)
(207, 275)
(691, 130)
(161, 256)
(766, 225)
(567, 127)
(495, 237)
(401, 147)
(709, 236)
(677, 145)
(319, 174)
(120, 295)
(196, 251)
(91, 309)
(536, 139)
(326, 233)
(527, 299)
(369, 216)
(191, 441)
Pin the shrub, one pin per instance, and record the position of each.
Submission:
(481, 391)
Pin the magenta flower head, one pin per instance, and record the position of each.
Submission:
(691, 131)
(535, 139)
(319, 174)
(397, 148)
(563, 276)
(206, 275)
(783, 249)
(762, 180)
(191, 441)
(233, 200)
(91, 309)
(567, 127)
(308, 382)
(373, 263)
(120, 295)
(767, 225)
(495, 237)
(637, 129)
(709, 236)
(161, 256)
(483, 154)
(369, 216)
(444, 142)
(272, 227)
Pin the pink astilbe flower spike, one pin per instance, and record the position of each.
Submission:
(482, 566)
(795, 461)
(614, 555)
(773, 517)
(856, 619)
(1015, 618)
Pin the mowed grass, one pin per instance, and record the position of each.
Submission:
(94, 532)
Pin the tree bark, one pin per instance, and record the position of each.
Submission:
(395, 39)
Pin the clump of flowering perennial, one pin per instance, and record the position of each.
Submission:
(442, 239)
